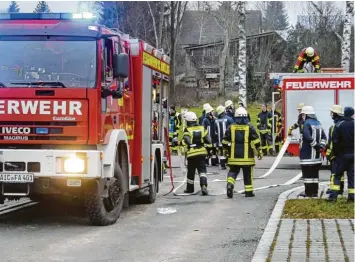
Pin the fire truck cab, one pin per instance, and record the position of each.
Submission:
(321, 91)
(77, 101)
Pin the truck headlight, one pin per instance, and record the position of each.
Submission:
(74, 165)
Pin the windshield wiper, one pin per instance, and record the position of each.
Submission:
(2, 85)
(41, 84)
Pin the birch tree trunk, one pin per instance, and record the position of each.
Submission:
(242, 55)
(345, 47)
(222, 63)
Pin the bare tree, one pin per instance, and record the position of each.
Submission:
(345, 49)
(225, 17)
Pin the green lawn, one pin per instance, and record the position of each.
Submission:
(318, 209)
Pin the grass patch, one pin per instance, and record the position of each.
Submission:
(274, 241)
(308, 241)
(325, 242)
(318, 208)
(342, 242)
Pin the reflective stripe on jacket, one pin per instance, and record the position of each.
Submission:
(196, 139)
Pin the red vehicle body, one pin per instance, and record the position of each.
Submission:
(76, 111)
(321, 90)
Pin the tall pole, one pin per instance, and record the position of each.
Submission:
(345, 47)
(242, 55)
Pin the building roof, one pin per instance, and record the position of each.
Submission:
(270, 33)
(210, 31)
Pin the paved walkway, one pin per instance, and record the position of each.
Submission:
(307, 240)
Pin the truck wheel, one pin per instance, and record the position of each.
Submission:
(151, 197)
(105, 211)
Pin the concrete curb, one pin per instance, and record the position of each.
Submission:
(263, 248)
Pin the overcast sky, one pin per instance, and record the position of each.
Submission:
(294, 8)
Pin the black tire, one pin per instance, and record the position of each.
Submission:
(151, 197)
(101, 211)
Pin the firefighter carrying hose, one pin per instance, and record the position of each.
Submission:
(343, 151)
(221, 125)
(300, 121)
(229, 108)
(336, 113)
(313, 140)
(174, 125)
(209, 124)
(196, 140)
(264, 123)
(243, 143)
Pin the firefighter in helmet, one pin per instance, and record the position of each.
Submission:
(343, 151)
(196, 140)
(221, 125)
(277, 130)
(307, 55)
(174, 126)
(202, 117)
(336, 113)
(264, 123)
(243, 143)
(313, 140)
(300, 120)
(229, 108)
(209, 124)
(242, 105)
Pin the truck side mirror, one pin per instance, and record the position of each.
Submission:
(120, 65)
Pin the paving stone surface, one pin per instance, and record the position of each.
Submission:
(303, 240)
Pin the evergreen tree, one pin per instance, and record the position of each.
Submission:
(275, 16)
(13, 7)
(42, 7)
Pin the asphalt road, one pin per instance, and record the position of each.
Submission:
(203, 228)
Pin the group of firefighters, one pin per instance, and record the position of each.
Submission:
(339, 148)
(224, 137)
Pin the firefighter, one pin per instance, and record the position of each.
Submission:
(209, 124)
(277, 130)
(300, 121)
(242, 105)
(202, 117)
(196, 140)
(336, 113)
(343, 151)
(174, 125)
(313, 140)
(242, 143)
(264, 126)
(307, 55)
(221, 125)
(229, 108)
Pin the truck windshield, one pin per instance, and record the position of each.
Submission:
(71, 63)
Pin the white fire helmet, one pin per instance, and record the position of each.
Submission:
(310, 51)
(205, 106)
(228, 103)
(241, 112)
(338, 109)
(220, 109)
(190, 116)
(308, 110)
(209, 110)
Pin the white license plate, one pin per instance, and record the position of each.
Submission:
(74, 182)
(16, 178)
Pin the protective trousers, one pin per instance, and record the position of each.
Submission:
(266, 142)
(173, 146)
(248, 176)
(277, 142)
(221, 157)
(214, 157)
(311, 179)
(332, 175)
(343, 164)
(193, 163)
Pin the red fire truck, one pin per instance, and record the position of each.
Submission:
(321, 90)
(76, 108)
